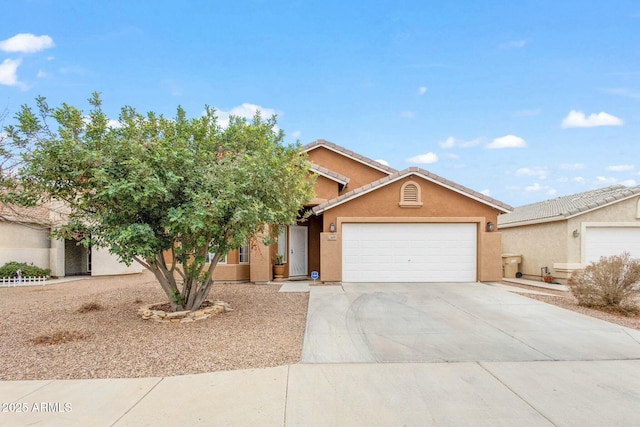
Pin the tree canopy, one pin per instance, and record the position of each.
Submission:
(149, 187)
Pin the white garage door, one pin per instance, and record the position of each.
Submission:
(607, 241)
(409, 252)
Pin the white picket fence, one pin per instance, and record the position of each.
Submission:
(22, 281)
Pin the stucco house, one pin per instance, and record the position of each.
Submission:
(371, 223)
(565, 234)
(25, 236)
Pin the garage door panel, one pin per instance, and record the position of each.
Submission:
(410, 252)
(607, 241)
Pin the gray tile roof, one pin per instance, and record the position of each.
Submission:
(567, 206)
(335, 176)
(31, 215)
(407, 172)
(348, 153)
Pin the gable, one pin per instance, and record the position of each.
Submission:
(359, 169)
(437, 181)
(431, 200)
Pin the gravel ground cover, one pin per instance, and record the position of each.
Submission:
(569, 302)
(91, 328)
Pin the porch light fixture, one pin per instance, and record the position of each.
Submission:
(332, 228)
(490, 227)
(576, 233)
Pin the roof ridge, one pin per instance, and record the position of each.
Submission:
(335, 147)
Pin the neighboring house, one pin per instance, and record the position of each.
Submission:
(372, 223)
(25, 236)
(565, 234)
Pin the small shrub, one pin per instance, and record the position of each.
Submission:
(11, 268)
(608, 283)
(59, 337)
(89, 307)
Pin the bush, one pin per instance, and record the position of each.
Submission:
(608, 283)
(11, 268)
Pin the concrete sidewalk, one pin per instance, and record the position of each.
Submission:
(597, 393)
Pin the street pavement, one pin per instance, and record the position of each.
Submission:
(384, 355)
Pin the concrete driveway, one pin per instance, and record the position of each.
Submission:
(456, 322)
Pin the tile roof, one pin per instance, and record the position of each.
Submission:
(32, 215)
(362, 159)
(334, 176)
(566, 207)
(407, 172)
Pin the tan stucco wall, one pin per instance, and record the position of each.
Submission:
(359, 174)
(260, 256)
(325, 189)
(21, 243)
(439, 205)
(232, 273)
(105, 264)
(331, 257)
(489, 250)
(541, 245)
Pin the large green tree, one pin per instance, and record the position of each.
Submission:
(164, 192)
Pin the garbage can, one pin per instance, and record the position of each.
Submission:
(510, 263)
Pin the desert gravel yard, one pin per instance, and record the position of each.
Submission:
(265, 329)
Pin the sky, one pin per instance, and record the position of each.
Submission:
(521, 100)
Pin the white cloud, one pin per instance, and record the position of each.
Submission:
(296, 134)
(534, 188)
(9, 72)
(451, 156)
(513, 44)
(572, 166)
(537, 171)
(620, 168)
(41, 74)
(451, 142)
(507, 141)
(407, 114)
(629, 183)
(422, 90)
(577, 119)
(113, 124)
(605, 180)
(26, 43)
(486, 192)
(383, 162)
(425, 159)
(579, 180)
(246, 111)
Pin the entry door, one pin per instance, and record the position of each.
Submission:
(297, 251)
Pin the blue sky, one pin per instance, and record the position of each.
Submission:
(522, 100)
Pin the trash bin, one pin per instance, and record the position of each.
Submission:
(510, 263)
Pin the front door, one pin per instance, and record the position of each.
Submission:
(298, 261)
